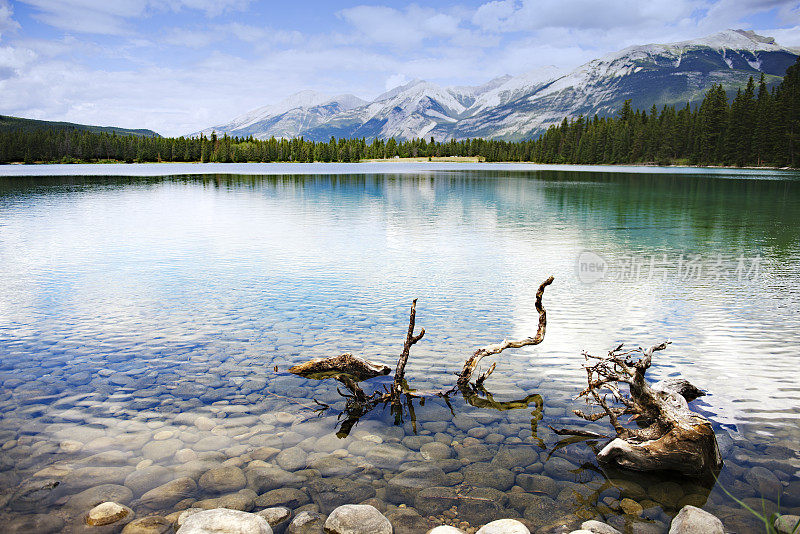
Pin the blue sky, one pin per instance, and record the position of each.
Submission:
(177, 66)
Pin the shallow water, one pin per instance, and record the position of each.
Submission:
(142, 320)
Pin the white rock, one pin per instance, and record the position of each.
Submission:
(692, 520)
(504, 526)
(357, 519)
(445, 529)
(224, 521)
(107, 513)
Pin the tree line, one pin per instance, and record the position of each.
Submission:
(758, 127)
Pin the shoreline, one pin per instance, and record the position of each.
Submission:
(420, 160)
(382, 167)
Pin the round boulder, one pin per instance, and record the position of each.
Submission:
(107, 513)
(224, 521)
(357, 519)
(223, 480)
(504, 526)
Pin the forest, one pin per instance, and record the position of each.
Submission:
(756, 127)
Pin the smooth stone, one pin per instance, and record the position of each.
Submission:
(479, 506)
(445, 529)
(145, 479)
(107, 513)
(485, 475)
(474, 453)
(404, 486)
(628, 488)
(464, 422)
(765, 482)
(168, 494)
(211, 443)
(204, 424)
(435, 500)
(224, 521)
(34, 523)
(691, 520)
(666, 493)
(787, 524)
(330, 466)
(268, 477)
(307, 523)
(99, 494)
(292, 459)
(33, 496)
(183, 515)
(630, 507)
(89, 477)
(223, 480)
(407, 521)
(540, 510)
(288, 497)
(388, 455)
(159, 450)
(538, 484)
(330, 493)
(357, 519)
(153, 524)
(278, 518)
(264, 453)
(791, 495)
(436, 451)
(560, 468)
(243, 501)
(510, 457)
(598, 528)
(504, 526)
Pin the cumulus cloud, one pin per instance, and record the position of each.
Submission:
(410, 27)
(112, 17)
(177, 66)
(7, 22)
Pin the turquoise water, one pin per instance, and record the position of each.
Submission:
(142, 320)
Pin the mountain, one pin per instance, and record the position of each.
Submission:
(519, 107)
(291, 117)
(12, 124)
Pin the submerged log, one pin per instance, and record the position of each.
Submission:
(346, 363)
(670, 436)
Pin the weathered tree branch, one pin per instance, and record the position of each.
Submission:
(358, 368)
(411, 339)
(670, 435)
(472, 363)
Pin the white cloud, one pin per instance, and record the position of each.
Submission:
(111, 17)
(7, 22)
(396, 79)
(386, 25)
(494, 15)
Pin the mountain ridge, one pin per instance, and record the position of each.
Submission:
(9, 123)
(522, 106)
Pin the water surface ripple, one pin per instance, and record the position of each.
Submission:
(142, 321)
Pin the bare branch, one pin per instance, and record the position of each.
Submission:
(472, 363)
(411, 339)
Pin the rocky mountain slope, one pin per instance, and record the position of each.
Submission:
(523, 106)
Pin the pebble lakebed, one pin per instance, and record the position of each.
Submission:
(145, 437)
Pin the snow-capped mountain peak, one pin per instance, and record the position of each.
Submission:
(514, 107)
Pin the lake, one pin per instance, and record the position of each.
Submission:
(149, 315)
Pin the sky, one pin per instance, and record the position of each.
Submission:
(177, 66)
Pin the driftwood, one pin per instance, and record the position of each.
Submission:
(346, 363)
(472, 362)
(349, 369)
(398, 384)
(669, 435)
